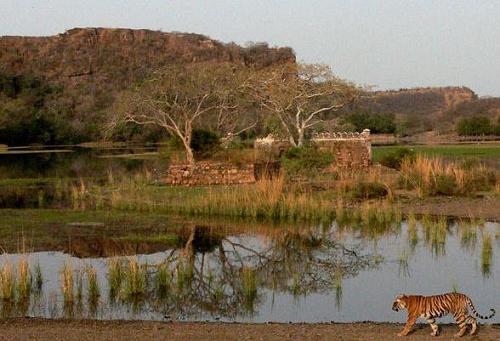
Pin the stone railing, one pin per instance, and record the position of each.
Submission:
(342, 135)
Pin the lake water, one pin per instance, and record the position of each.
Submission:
(319, 274)
(199, 271)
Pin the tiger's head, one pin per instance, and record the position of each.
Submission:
(400, 303)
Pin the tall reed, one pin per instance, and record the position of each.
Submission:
(24, 280)
(116, 274)
(135, 279)
(93, 290)
(249, 286)
(7, 283)
(486, 254)
(67, 282)
(163, 280)
(434, 176)
(38, 279)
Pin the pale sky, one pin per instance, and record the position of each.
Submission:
(385, 43)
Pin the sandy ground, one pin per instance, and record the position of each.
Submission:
(38, 329)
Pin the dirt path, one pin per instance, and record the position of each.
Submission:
(38, 329)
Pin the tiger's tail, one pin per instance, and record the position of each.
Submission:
(469, 303)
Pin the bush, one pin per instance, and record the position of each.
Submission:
(378, 123)
(445, 185)
(475, 126)
(369, 190)
(305, 160)
(204, 142)
(394, 159)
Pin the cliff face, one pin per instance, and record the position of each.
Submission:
(66, 84)
(121, 55)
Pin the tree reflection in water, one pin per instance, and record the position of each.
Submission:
(233, 273)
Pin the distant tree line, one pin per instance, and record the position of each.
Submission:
(477, 126)
(378, 123)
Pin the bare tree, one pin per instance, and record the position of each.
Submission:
(300, 95)
(177, 97)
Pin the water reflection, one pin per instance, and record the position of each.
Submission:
(309, 274)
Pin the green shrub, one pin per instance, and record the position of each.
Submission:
(204, 142)
(368, 190)
(378, 123)
(445, 185)
(305, 160)
(475, 126)
(394, 159)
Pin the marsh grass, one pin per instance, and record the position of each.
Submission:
(116, 274)
(38, 280)
(486, 254)
(433, 176)
(266, 199)
(24, 281)
(135, 283)
(184, 270)
(337, 285)
(163, 280)
(93, 290)
(79, 275)
(7, 283)
(67, 282)
(249, 287)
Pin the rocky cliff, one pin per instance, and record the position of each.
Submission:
(57, 89)
(118, 55)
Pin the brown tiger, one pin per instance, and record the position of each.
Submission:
(431, 307)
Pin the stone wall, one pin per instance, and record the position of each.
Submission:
(352, 154)
(351, 150)
(210, 173)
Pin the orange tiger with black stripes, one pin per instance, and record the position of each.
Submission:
(431, 307)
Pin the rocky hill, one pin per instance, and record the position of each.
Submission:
(74, 76)
(431, 108)
(117, 55)
(57, 89)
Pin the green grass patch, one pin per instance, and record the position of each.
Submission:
(461, 151)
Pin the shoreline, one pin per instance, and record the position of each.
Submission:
(45, 329)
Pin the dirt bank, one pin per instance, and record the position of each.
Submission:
(38, 329)
(487, 208)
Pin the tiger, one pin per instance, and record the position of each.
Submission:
(431, 307)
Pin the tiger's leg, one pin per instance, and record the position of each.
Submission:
(461, 319)
(473, 323)
(409, 323)
(434, 326)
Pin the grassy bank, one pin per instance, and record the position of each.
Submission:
(458, 151)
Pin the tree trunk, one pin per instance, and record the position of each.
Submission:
(300, 141)
(186, 142)
(189, 156)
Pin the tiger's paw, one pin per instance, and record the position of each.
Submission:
(401, 334)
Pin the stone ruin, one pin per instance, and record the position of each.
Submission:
(351, 151)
